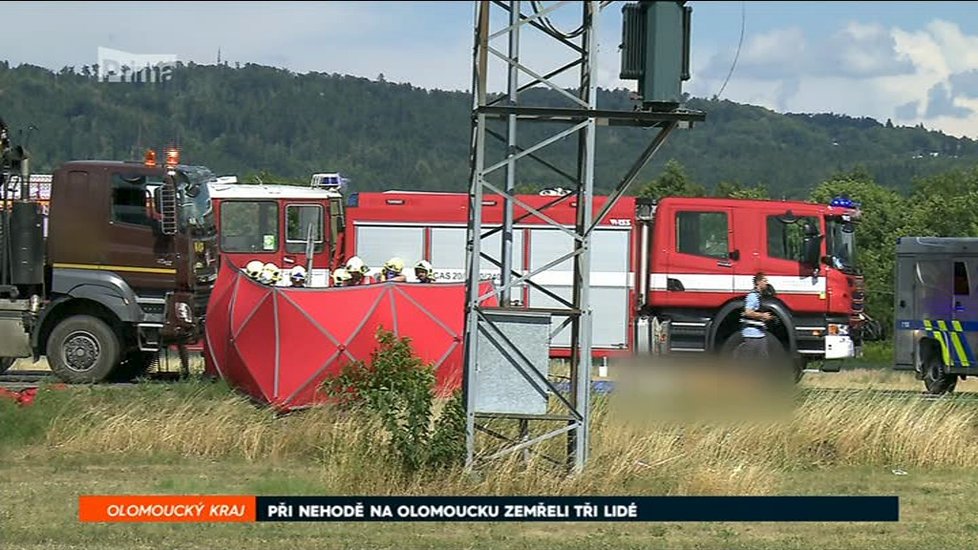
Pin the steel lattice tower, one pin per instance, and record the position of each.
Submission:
(499, 177)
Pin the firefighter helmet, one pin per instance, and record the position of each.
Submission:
(424, 268)
(270, 274)
(298, 273)
(253, 269)
(356, 264)
(341, 276)
(394, 264)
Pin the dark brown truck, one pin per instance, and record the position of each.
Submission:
(128, 263)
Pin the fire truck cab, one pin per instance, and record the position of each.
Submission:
(286, 225)
(699, 256)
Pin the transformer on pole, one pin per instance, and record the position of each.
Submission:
(507, 370)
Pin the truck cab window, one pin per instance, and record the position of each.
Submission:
(249, 226)
(785, 240)
(961, 286)
(130, 200)
(702, 234)
(298, 217)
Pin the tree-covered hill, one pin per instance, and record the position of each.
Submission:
(384, 135)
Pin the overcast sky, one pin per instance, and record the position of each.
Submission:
(908, 61)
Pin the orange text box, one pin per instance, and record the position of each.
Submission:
(166, 508)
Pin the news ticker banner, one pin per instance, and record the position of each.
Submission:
(243, 508)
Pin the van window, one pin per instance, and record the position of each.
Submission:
(961, 286)
(702, 234)
(298, 217)
(249, 226)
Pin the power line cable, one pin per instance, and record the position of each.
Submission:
(743, 26)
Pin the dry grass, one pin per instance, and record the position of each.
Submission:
(875, 379)
(711, 452)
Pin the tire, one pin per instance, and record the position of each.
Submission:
(83, 349)
(936, 380)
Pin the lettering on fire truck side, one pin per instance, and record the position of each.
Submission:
(621, 222)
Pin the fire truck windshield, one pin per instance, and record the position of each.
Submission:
(841, 244)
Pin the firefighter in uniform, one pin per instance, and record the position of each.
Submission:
(298, 276)
(424, 272)
(393, 270)
(358, 272)
(341, 277)
(753, 320)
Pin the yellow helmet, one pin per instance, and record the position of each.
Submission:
(270, 274)
(356, 264)
(341, 275)
(394, 264)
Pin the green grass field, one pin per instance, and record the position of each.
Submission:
(202, 438)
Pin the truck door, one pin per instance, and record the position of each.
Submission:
(141, 256)
(300, 219)
(250, 230)
(906, 313)
(703, 257)
(965, 307)
(935, 300)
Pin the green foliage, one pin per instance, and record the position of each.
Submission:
(735, 190)
(21, 425)
(399, 388)
(384, 135)
(672, 182)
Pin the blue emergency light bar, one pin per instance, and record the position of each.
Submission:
(844, 202)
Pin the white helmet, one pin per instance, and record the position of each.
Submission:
(298, 273)
(341, 276)
(253, 269)
(356, 264)
(270, 274)
(424, 266)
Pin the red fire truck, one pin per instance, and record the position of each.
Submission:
(668, 276)
(276, 224)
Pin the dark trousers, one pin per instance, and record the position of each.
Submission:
(753, 348)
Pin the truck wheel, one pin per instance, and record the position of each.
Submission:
(6, 363)
(82, 349)
(936, 380)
